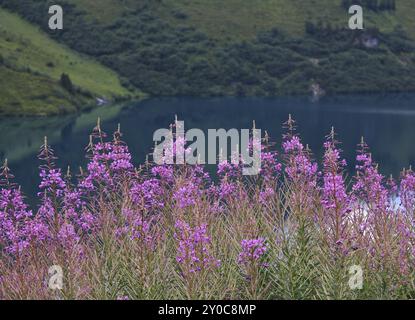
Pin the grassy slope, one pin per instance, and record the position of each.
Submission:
(227, 22)
(23, 46)
(231, 21)
(23, 93)
(242, 19)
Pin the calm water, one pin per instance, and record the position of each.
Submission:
(386, 122)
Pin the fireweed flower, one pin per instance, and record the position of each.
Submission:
(52, 184)
(293, 145)
(301, 171)
(228, 195)
(119, 156)
(299, 167)
(108, 161)
(137, 227)
(253, 250)
(228, 173)
(229, 169)
(18, 227)
(187, 195)
(334, 196)
(378, 221)
(407, 191)
(72, 203)
(226, 190)
(98, 167)
(266, 195)
(67, 235)
(59, 205)
(51, 189)
(199, 176)
(46, 210)
(334, 190)
(74, 210)
(406, 240)
(392, 185)
(194, 244)
(148, 194)
(406, 231)
(368, 186)
(52, 181)
(15, 219)
(164, 172)
(270, 167)
(369, 196)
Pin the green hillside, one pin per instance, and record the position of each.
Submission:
(31, 65)
(242, 19)
(240, 47)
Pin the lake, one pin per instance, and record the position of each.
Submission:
(386, 121)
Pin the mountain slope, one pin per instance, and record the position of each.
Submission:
(241, 19)
(239, 47)
(31, 65)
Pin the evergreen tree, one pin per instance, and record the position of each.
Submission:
(66, 83)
